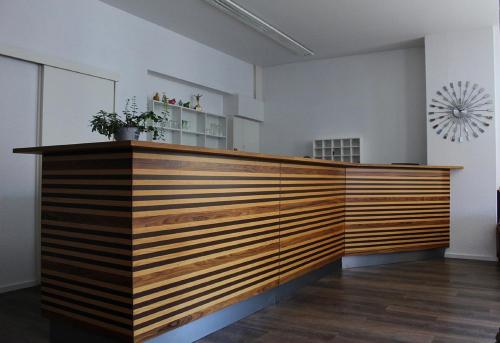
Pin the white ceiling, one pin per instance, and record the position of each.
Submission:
(331, 28)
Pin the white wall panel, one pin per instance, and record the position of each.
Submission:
(18, 115)
(473, 192)
(379, 97)
(69, 101)
(104, 37)
(246, 134)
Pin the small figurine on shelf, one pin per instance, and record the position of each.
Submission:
(180, 103)
(171, 101)
(156, 97)
(197, 107)
(164, 98)
(187, 104)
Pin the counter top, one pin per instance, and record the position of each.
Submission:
(110, 146)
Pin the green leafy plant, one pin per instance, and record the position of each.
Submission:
(108, 123)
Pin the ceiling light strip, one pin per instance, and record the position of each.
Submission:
(248, 18)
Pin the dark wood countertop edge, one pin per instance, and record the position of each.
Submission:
(218, 152)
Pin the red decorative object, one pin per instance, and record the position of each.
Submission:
(171, 101)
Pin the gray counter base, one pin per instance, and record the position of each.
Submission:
(379, 259)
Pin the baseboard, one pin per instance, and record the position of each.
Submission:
(470, 257)
(18, 285)
(379, 259)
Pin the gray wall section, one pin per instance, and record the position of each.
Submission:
(379, 97)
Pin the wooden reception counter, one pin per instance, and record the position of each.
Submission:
(139, 238)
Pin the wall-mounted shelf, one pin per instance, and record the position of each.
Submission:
(190, 127)
(338, 149)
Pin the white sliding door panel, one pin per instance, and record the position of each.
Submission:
(246, 134)
(69, 101)
(18, 232)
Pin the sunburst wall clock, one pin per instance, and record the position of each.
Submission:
(460, 111)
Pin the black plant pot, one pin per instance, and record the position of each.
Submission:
(127, 134)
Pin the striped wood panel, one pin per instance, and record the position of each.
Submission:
(206, 232)
(138, 242)
(86, 239)
(391, 210)
(311, 218)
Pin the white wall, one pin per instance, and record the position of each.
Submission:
(19, 106)
(93, 33)
(451, 57)
(379, 96)
(68, 98)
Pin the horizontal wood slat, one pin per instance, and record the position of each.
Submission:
(215, 237)
(87, 250)
(311, 236)
(138, 242)
(391, 210)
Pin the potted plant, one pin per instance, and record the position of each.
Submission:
(130, 124)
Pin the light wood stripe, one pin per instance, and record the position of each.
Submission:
(386, 238)
(143, 214)
(173, 234)
(201, 308)
(207, 250)
(153, 284)
(367, 221)
(255, 273)
(142, 227)
(165, 247)
(137, 301)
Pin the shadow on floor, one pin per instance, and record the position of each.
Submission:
(20, 317)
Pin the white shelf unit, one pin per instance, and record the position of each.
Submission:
(338, 149)
(190, 127)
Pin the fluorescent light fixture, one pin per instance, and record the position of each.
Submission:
(250, 19)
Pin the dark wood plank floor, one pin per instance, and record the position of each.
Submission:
(430, 301)
(20, 318)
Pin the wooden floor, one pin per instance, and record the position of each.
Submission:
(430, 301)
(20, 319)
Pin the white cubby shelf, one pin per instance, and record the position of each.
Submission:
(338, 149)
(190, 127)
